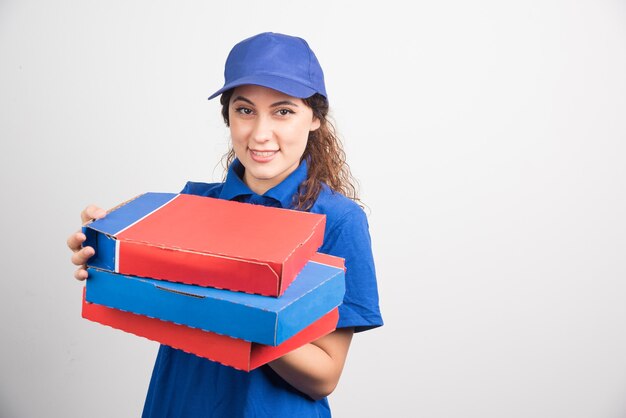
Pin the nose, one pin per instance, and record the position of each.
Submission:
(263, 130)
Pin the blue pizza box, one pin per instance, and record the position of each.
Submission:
(317, 290)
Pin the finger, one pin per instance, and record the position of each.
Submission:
(92, 212)
(80, 257)
(75, 241)
(80, 273)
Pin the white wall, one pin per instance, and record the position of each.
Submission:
(489, 138)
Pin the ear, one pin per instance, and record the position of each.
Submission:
(315, 124)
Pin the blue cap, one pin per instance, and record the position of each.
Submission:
(280, 62)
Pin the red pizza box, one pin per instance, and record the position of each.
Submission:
(205, 241)
(233, 352)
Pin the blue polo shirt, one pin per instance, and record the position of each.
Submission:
(186, 386)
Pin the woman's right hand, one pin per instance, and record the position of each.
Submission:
(75, 241)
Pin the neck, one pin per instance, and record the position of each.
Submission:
(257, 186)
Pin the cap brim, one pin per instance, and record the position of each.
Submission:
(284, 85)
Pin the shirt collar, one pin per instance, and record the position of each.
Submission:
(282, 192)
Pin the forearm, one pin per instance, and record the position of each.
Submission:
(315, 368)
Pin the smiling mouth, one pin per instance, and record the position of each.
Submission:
(263, 154)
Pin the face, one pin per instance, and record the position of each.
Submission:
(269, 131)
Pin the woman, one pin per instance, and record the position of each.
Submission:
(284, 154)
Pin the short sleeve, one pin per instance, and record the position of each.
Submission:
(349, 238)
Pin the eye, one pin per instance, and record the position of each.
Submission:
(285, 112)
(244, 110)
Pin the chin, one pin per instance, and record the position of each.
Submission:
(263, 175)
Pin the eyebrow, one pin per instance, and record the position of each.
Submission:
(281, 103)
(284, 103)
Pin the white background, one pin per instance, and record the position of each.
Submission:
(489, 139)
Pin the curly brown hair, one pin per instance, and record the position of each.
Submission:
(324, 154)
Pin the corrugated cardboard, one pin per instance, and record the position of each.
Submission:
(318, 289)
(205, 241)
(240, 354)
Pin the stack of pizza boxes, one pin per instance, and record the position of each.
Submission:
(236, 283)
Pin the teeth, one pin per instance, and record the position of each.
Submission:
(264, 153)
